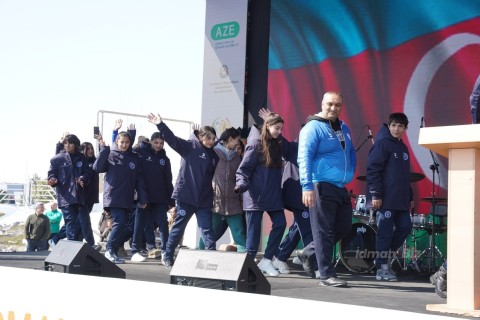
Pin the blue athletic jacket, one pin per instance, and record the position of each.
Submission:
(123, 176)
(92, 189)
(388, 172)
(197, 167)
(67, 168)
(157, 174)
(321, 157)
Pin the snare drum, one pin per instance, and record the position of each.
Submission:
(357, 249)
(421, 221)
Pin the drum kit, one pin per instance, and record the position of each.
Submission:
(420, 251)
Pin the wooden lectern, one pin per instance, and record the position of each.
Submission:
(461, 144)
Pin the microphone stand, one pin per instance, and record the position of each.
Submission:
(363, 142)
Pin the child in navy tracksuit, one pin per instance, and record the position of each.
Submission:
(69, 174)
(388, 187)
(259, 178)
(123, 176)
(193, 190)
(157, 173)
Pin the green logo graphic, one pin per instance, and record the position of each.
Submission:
(225, 30)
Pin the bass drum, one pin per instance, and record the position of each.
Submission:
(357, 249)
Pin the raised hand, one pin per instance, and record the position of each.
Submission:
(195, 126)
(64, 135)
(99, 139)
(131, 126)
(117, 125)
(263, 113)
(155, 119)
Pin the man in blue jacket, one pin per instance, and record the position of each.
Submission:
(388, 185)
(327, 161)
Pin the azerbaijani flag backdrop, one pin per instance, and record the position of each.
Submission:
(418, 57)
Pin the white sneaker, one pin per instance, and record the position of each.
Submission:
(137, 257)
(51, 243)
(281, 266)
(266, 266)
(385, 274)
(109, 255)
(297, 260)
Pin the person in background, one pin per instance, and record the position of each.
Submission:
(327, 161)
(91, 193)
(193, 190)
(105, 226)
(240, 148)
(292, 201)
(389, 191)
(123, 176)
(37, 229)
(259, 179)
(227, 206)
(55, 217)
(475, 102)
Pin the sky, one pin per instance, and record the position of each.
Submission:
(62, 61)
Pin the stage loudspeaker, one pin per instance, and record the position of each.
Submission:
(221, 270)
(80, 258)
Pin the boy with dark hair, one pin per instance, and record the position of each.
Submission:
(388, 187)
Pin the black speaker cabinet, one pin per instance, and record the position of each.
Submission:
(80, 258)
(220, 270)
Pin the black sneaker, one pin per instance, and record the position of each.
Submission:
(333, 282)
(306, 263)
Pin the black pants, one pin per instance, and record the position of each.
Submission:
(331, 220)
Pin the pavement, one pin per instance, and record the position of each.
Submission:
(411, 293)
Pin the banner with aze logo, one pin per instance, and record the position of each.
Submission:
(224, 64)
(416, 57)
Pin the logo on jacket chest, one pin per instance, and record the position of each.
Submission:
(79, 164)
(404, 156)
(162, 162)
(131, 165)
(203, 156)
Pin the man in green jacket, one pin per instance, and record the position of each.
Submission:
(55, 217)
(37, 229)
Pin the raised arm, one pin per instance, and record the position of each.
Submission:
(181, 146)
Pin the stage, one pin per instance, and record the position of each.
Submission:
(412, 293)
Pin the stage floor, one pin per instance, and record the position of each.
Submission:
(411, 293)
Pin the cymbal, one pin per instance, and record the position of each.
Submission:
(431, 199)
(414, 177)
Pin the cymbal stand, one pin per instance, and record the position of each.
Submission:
(432, 250)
